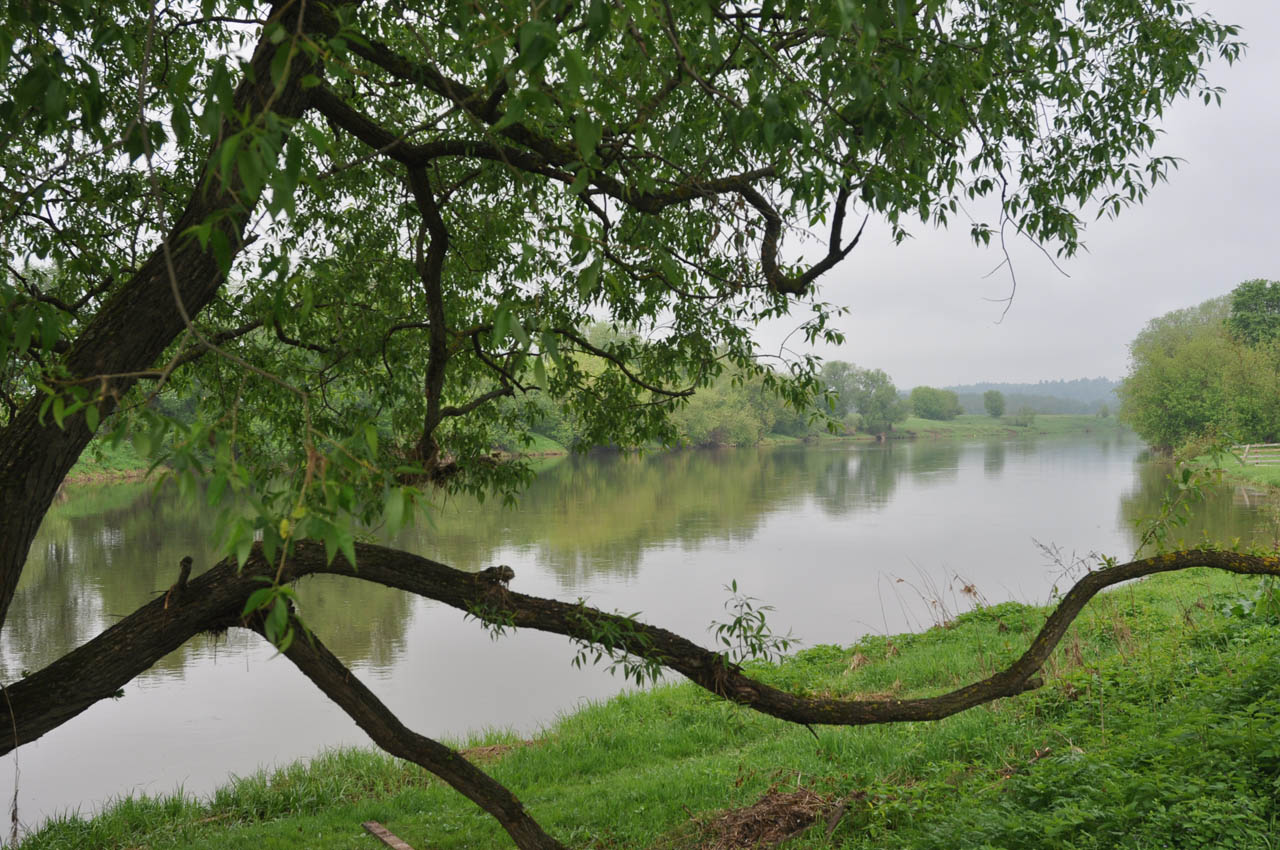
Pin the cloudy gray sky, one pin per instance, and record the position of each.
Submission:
(917, 310)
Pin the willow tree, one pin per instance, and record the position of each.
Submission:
(360, 236)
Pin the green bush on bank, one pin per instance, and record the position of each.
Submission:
(1158, 726)
(1195, 372)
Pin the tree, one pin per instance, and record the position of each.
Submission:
(993, 403)
(1255, 312)
(877, 402)
(840, 380)
(1191, 376)
(933, 403)
(349, 229)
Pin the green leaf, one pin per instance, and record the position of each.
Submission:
(536, 40)
(576, 74)
(277, 620)
(244, 546)
(23, 329)
(257, 599)
(589, 279)
(502, 321)
(347, 543)
(227, 157)
(217, 486)
(91, 417)
(580, 181)
(587, 133)
(515, 112)
(371, 438)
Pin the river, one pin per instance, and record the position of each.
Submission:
(840, 539)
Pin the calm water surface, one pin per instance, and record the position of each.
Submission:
(822, 533)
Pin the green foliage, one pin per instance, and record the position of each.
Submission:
(606, 639)
(747, 637)
(1025, 417)
(1255, 312)
(867, 392)
(993, 403)
(574, 179)
(1189, 376)
(933, 403)
(1262, 605)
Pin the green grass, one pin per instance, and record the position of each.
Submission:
(101, 460)
(1158, 726)
(1267, 476)
(543, 445)
(974, 425)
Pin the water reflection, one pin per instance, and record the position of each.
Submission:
(993, 459)
(1226, 513)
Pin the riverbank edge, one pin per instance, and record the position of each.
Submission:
(1144, 667)
(1265, 477)
(123, 464)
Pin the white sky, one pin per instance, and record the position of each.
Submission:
(918, 310)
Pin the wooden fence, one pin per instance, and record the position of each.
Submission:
(1260, 454)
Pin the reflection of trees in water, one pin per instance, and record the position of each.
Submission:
(993, 459)
(598, 514)
(361, 621)
(103, 551)
(1221, 516)
(862, 479)
(934, 461)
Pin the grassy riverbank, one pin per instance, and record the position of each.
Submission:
(967, 426)
(1232, 468)
(104, 462)
(1157, 726)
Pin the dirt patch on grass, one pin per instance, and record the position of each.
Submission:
(494, 751)
(767, 822)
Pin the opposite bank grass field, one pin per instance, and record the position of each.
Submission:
(1158, 727)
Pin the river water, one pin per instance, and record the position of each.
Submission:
(840, 539)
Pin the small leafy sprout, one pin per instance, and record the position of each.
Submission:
(497, 621)
(747, 636)
(607, 638)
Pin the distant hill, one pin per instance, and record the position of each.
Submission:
(1083, 395)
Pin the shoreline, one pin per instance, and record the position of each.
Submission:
(125, 466)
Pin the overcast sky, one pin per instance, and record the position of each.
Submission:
(917, 310)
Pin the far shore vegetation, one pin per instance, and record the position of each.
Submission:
(856, 405)
(1205, 381)
(1155, 726)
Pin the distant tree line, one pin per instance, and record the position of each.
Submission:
(1212, 371)
(740, 411)
(1080, 396)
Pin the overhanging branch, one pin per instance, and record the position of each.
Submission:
(46, 699)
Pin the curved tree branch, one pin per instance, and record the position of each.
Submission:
(213, 601)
